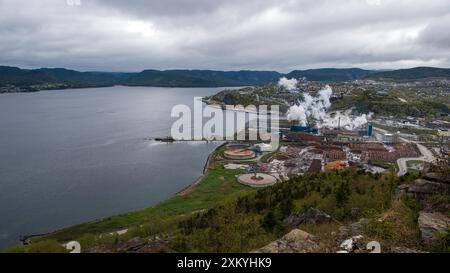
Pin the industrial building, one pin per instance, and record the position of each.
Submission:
(388, 138)
(316, 166)
(303, 137)
(304, 129)
(349, 136)
(368, 132)
(312, 134)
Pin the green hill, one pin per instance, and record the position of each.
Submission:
(201, 78)
(13, 79)
(330, 74)
(46, 78)
(412, 74)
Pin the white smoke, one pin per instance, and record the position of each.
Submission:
(344, 120)
(316, 108)
(289, 84)
(297, 113)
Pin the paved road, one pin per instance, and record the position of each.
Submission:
(427, 156)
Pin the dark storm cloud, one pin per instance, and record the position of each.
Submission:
(224, 34)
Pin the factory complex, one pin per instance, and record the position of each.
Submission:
(306, 149)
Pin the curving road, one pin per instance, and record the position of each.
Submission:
(427, 156)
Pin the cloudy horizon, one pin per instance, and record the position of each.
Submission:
(129, 36)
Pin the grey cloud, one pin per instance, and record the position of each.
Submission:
(437, 34)
(224, 34)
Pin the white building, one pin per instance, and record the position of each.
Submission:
(389, 138)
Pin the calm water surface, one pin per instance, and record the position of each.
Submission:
(71, 156)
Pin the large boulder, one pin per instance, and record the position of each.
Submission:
(296, 241)
(156, 246)
(312, 215)
(437, 177)
(357, 227)
(430, 224)
(135, 245)
(422, 187)
(132, 245)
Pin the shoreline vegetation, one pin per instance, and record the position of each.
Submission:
(25, 240)
(194, 198)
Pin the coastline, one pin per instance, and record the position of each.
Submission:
(233, 108)
(27, 239)
(58, 88)
(205, 172)
(31, 90)
(109, 222)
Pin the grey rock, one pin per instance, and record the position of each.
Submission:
(357, 227)
(135, 245)
(296, 241)
(156, 246)
(422, 186)
(344, 231)
(312, 215)
(437, 177)
(132, 245)
(402, 189)
(430, 224)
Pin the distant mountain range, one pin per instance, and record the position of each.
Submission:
(412, 74)
(58, 76)
(46, 78)
(170, 78)
(331, 74)
(201, 78)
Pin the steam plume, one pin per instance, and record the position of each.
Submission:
(289, 84)
(315, 109)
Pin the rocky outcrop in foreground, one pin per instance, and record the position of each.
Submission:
(296, 241)
(135, 245)
(432, 220)
(311, 216)
(431, 224)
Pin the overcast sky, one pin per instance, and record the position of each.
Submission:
(118, 35)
